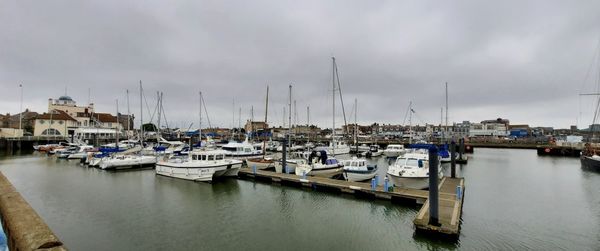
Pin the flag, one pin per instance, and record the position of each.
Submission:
(411, 110)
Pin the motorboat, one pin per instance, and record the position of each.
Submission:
(169, 147)
(261, 163)
(357, 169)
(64, 153)
(373, 151)
(412, 170)
(241, 150)
(359, 148)
(127, 161)
(82, 152)
(200, 165)
(319, 164)
(394, 150)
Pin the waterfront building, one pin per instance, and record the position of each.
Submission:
(54, 123)
(489, 128)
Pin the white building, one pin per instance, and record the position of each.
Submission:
(488, 130)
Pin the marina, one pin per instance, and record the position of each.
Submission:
(244, 213)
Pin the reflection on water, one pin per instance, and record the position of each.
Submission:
(514, 200)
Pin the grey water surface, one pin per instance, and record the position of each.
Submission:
(514, 200)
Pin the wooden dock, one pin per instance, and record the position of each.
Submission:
(450, 208)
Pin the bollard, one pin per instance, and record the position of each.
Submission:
(458, 192)
(284, 155)
(453, 159)
(376, 180)
(254, 169)
(303, 174)
(461, 148)
(373, 184)
(433, 187)
(386, 183)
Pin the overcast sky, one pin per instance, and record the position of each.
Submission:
(526, 61)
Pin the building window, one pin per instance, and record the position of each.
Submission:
(60, 122)
(85, 123)
(51, 132)
(42, 121)
(109, 124)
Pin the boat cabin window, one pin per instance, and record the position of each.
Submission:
(218, 157)
(248, 150)
(203, 157)
(412, 162)
(194, 157)
(211, 157)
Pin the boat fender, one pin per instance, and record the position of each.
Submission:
(547, 150)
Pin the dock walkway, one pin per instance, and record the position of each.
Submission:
(450, 209)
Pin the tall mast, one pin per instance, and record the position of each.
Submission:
(117, 135)
(252, 119)
(128, 115)
(333, 108)
(295, 113)
(410, 110)
(240, 119)
(265, 128)
(355, 122)
(141, 118)
(307, 115)
(290, 118)
(159, 103)
(446, 129)
(200, 120)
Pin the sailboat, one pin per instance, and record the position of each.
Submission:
(335, 147)
(321, 161)
(263, 162)
(357, 169)
(127, 161)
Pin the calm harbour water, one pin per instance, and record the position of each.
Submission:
(514, 200)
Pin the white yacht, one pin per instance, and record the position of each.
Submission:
(373, 151)
(393, 150)
(336, 148)
(199, 166)
(319, 164)
(81, 152)
(241, 150)
(356, 169)
(118, 161)
(412, 170)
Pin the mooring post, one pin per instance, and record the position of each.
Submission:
(386, 183)
(453, 159)
(283, 155)
(304, 174)
(433, 186)
(254, 169)
(376, 180)
(461, 148)
(373, 184)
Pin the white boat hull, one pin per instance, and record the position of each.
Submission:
(290, 165)
(358, 176)
(392, 154)
(410, 182)
(127, 162)
(260, 165)
(326, 172)
(193, 174)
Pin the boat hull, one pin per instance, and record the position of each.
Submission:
(260, 163)
(326, 172)
(127, 162)
(590, 163)
(193, 174)
(410, 182)
(359, 176)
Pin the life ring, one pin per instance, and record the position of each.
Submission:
(547, 150)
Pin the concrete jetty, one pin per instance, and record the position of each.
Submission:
(24, 228)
